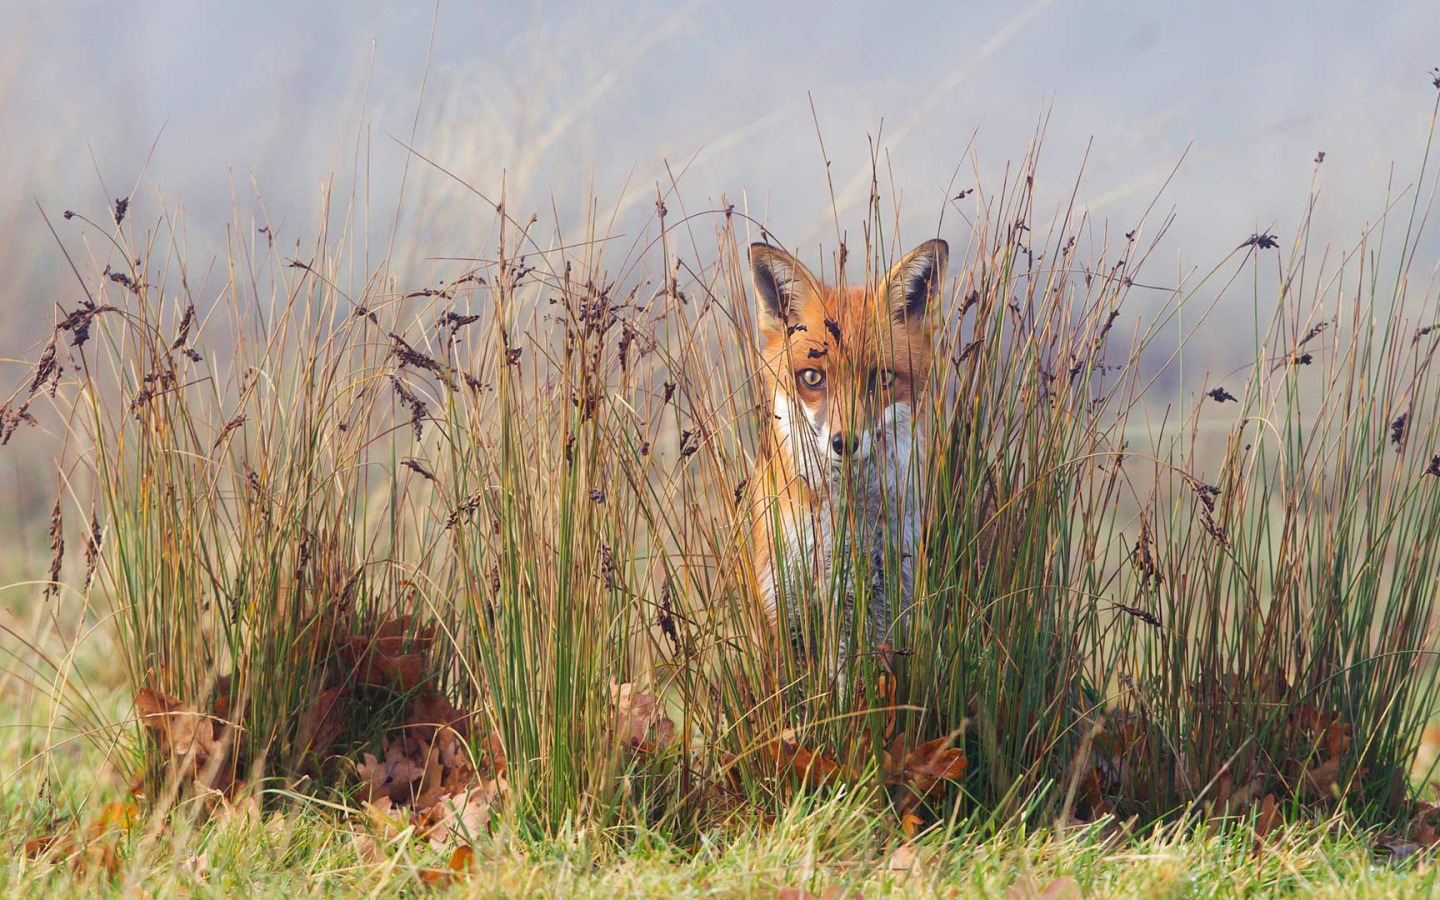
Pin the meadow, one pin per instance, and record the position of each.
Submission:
(367, 586)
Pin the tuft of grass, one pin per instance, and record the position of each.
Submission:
(532, 466)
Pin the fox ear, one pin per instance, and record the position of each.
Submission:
(917, 280)
(778, 278)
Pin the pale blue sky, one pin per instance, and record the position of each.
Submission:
(566, 96)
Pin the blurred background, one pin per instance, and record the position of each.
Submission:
(253, 112)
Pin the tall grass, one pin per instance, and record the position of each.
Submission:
(534, 470)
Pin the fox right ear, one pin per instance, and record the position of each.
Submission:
(777, 276)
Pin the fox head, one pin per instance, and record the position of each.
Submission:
(845, 366)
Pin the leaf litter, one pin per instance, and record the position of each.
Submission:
(439, 775)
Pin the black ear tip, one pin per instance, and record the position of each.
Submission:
(761, 248)
(937, 248)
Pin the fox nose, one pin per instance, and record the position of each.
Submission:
(843, 446)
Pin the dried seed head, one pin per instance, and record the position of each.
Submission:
(1142, 556)
(183, 332)
(1148, 618)
(1398, 431)
(228, 430)
(57, 551)
(1220, 395)
(418, 408)
(665, 616)
(607, 566)
(93, 543)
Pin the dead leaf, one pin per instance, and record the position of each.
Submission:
(384, 819)
(463, 818)
(322, 722)
(1397, 848)
(922, 774)
(1324, 779)
(393, 778)
(813, 769)
(462, 861)
(197, 866)
(189, 739)
(374, 667)
(38, 847)
(1269, 818)
(95, 847)
(794, 893)
(431, 711)
(933, 762)
(902, 859)
(120, 814)
(911, 824)
(1062, 888)
(640, 721)
(367, 849)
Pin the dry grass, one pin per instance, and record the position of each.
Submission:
(1127, 610)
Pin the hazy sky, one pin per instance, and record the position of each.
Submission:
(566, 97)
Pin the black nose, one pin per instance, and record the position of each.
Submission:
(844, 446)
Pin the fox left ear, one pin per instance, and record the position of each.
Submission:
(916, 280)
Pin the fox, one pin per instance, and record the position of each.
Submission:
(837, 490)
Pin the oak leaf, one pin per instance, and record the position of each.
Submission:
(639, 720)
(192, 741)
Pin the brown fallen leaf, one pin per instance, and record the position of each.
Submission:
(794, 893)
(374, 667)
(367, 848)
(1425, 833)
(933, 762)
(911, 824)
(1397, 848)
(462, 862)
(394, 627)
(1324, 779)
(393, 778)
(462, 818)
(120, 814)
(1062, 888)
(322, 722)
(1269, 818)
(811, 768)
(902, 859)
(384, 819)
(640, 721)
(494, 755)
(430, 711)
(95, 846)
(192, 741)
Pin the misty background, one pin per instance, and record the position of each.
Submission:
(253, 111)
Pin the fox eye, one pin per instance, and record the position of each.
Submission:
(882, 378)
(811, 378)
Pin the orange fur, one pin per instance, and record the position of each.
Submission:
(843, 368)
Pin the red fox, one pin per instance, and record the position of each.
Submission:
(836, 491)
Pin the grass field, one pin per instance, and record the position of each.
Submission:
(831, 847)
(358, 586)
